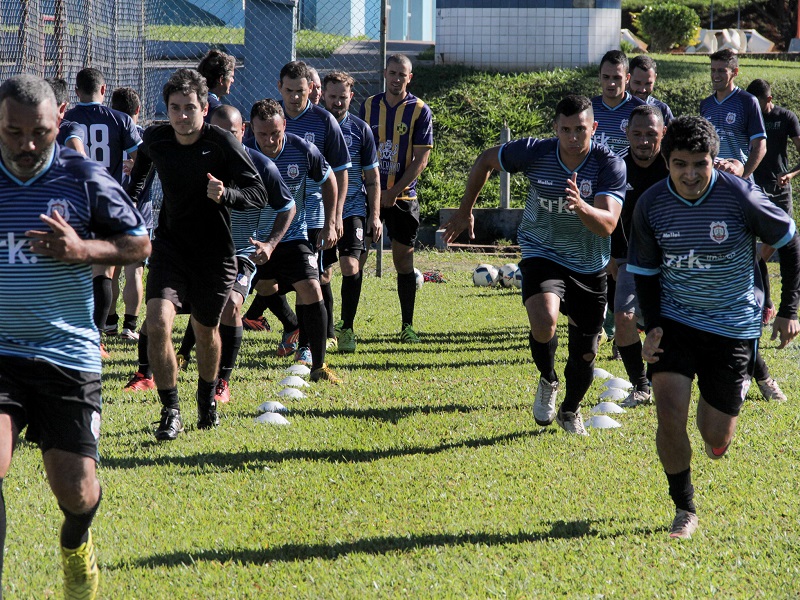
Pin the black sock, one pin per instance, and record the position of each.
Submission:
(75, 529)
(169, 398)
(205, 392)
(634, 365)
(2, 532)
(144, 361)
(315, 321)
(188, 341)
(129, 321)
(682, 490)
(112, 320)
(103, 294)
(407, 292)
(302, 339)
(579, 373)
(544, 357)
(760, 369)
(327, 299)
(351, 294)
(278, 306)
(231, 341)
(257, 307)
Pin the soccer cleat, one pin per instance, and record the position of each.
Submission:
(140, 383)
(683, 525)
(170, 425)
(222, 393)
(303, 357)
(716, 453)
(129, 334)
(331, 344)
(571, 422)
(288, 344)
(183, 362)
(347, 341)
(338, 328)
(770, 390)
(615, 354)
(109, 329)
(257, 324)
(81, 575)
(207, 416)
(637, 398)
(324, 373)
(544, 403)
(408, 335)
(104, 353)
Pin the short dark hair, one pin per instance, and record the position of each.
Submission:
(760, 88)
(401, 59)
(266, 109)
(643, 62)
(187, 81)
(89, 80)
(295, 69)
(690, 133)
(125, 100)
(26, 89)
(726, 55)
(338, 77)
(646, 110)
(573, 104)
(60, 89)
(215, 66)
(615, 57)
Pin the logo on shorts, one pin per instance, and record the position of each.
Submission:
(312, 260)
(585, 188)
(309, 137)
(348, 139)
(719, 231)
(623, 125)
(95, 426)
(293, 171)
(243, 280)
(401, 128)
(730, 118)
(58, 205)
(360, 234)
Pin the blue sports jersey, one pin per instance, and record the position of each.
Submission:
(68, 130)
(612, 123)
(361, 144)
(107, 134)
(704, 252)
(46, 305)
(737, 120)
(317, 126)
(297, 163)
(398, 130)
(666, 111)
(548, 229)
(213, 104)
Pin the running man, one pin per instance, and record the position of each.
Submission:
(643, 78)
(613, 107)
(218, 69)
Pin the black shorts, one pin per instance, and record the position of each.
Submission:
(723, 365)
(352, 242)
(204, 285)
(244, 276)
(290, 262)
(583, 296)
(780, 196)
(60, 406)
(402, 221)
(326, 258)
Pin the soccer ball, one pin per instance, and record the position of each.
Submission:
(418, 277)
(507, 272)
(518, 278)
(484, 275)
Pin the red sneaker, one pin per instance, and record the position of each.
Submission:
(139, 383)
(222, 394)
(259, 324)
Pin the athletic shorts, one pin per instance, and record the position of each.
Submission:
(780, 196)
(244, 276)
(59, 406)
(583, 296)
(723, 365)
(352, 242)
(625, 298)
(205, 285)
(290, 262)
(402, 221)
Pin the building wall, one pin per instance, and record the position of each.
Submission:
(513, 35)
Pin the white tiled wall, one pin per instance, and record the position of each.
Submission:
(511, 39)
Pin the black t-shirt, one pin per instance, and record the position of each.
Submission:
(639, 179)
(781, 125)
(190, 221)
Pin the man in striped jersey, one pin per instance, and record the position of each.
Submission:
(643, 78)
(577, 188)
(59, 213)
(402, 125)
(692, 252)
(361, 213)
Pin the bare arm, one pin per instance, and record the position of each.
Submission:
(327, 237)
(600, 219)
(76, 144)
(372, 183)
(488, 161)
(279, 227)
(758, 148)
(785, 178)
(419, 160)
(341, 185)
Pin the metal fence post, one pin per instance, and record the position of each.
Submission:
(505, 178)
(384, 9)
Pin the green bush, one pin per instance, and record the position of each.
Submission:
(667, 25)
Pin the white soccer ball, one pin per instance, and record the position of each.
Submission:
(518, 278)
(484, 275)
(507, 273)
(418, 277)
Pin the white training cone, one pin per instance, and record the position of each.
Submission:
(272, 407)
(618, 382)
(608, 407)
(290, 392)
(601, 422)
(614, 394)
(272, 419)
(299, 370)
(602, 373)
(293, 381)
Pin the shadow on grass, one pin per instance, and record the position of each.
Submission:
(559, 530)
(255, 459)
(395, 414)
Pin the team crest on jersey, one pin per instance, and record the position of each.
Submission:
(730, 118)
(623, 125)
(293, 171)
(360, 233)
(348, 139)
(60, 206)
(401, 128)
(719, 231)
(243, 280)
(309, 137)
(387, 150)
(585, 188)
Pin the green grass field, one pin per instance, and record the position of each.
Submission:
(424, 476)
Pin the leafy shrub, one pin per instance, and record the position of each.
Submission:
(667, 25)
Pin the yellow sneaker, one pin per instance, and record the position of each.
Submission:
(324, 373)
(81, 575)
